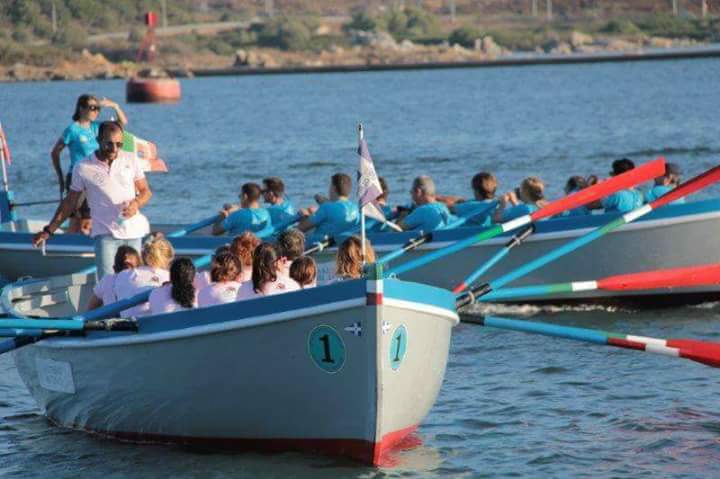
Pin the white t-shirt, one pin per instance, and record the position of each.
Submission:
(108, 191)
(105, 289)
(283, 284)
(202, 280)
(218, 293)
(134, 281)
(161, 301)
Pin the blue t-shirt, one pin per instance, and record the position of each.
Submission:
(517, 211)
(429, 217)
(255, 220)
(81, 142)
(657, 191)
(334, 217)
(387, 211)
(468, 207)
(282, 213)
(622, 201)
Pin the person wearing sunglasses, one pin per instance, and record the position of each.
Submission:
(80, 139)
(115, 186)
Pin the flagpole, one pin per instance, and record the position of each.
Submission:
(3, 160)
(362, 208)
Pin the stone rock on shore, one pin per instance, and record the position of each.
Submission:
(490, 48)
(578, 39)
(382, 40)
(659, 42)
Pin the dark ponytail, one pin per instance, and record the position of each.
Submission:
(182, 275)
(264, 266)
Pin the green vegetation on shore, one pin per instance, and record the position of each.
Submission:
(29, 35)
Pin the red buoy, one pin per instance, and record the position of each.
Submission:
(153, 90)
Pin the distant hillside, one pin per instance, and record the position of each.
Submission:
(42, 33)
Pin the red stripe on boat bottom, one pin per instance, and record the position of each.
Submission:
(377, 454)
(374, 298)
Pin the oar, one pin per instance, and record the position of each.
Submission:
(516, 240)
(690, 186)
(704, 352)
(701, 275)
(193, 227)
(600, 190)
(423, 237)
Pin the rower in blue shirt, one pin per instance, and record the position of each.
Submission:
(281, 209)
(387, 210)
(623, 200)
(334, 215)
(428, 214)
(249, 217)
(525, 200)
(574, 184)
(484, 186)
(665, 184)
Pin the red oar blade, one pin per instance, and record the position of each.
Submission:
(701, 275)
(638, 175)
(700, 351)
(692, 185)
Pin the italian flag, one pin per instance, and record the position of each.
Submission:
(145, 151)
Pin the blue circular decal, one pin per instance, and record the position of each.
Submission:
(398, 346)
(327, 349)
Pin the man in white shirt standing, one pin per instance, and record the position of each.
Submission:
(116, 189)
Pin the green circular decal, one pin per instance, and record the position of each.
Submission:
(398, 346)
(327, 349)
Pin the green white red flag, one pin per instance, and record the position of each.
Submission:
(145, 151)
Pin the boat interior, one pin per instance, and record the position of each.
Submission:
(59, 296)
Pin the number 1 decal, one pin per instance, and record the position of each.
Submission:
(326, 348)
(398, 347)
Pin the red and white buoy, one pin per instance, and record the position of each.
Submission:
(151, 88)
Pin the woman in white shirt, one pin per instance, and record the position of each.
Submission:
(179, 294)
(126, 257)
(243, 246)
(224, 274)
(157, 254)
(267, 275)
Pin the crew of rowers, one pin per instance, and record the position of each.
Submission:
(248, 267)
(337, 214)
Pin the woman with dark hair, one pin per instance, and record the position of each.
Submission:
(267, 278)
(104, 291)
(81, 139)
(575, 184)
(179, 294)
(202, 278)
(226, 269)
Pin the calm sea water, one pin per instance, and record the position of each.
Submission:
(512, 404)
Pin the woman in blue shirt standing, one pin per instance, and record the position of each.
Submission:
(81, 139)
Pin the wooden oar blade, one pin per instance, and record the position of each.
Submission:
(690, 186)
(702, 275)
(642, 173)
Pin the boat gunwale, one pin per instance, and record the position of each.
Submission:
(180, 324)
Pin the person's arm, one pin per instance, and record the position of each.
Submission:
(63, 211)
(218, 227)
(449, 200)
(94, 302)
(502, 206)
(142, 196)
(305, 224)
(121, 118)
(55, 155)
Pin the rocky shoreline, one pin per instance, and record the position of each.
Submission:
(369, 50)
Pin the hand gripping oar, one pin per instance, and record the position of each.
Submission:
(690, 186)
(600, 190)
(423, 238)
(700, 275)
(704, 352)
(516, 240)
